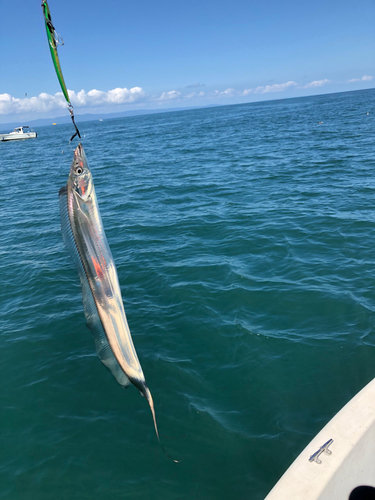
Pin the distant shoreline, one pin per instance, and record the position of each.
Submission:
(88, 117)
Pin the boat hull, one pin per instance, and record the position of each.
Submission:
(17, 137)
(339, 459)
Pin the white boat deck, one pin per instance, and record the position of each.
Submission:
(17, 134)
(348, 463)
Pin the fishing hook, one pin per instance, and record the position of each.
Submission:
(70, 108)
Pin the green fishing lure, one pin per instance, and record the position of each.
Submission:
(54, 40)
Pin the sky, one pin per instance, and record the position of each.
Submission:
(120, 55)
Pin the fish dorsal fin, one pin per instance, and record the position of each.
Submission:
(91, 313)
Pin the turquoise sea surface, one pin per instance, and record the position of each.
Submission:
(244, 239)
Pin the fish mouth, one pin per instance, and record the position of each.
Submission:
(79, 152)
(79, 157)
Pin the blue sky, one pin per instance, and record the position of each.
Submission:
(121, 55)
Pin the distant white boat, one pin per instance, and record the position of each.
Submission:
(339, 463)
(18, 133)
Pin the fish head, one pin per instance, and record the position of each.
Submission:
(80, 176)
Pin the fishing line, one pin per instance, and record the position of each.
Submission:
(54, 39)
(145, 392)
(172, 439)
(173, 460)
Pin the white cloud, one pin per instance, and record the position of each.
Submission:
(45, 102)
(317, 83)
(277, 87)
(225, 93)
(109, 100)
(98, 97)
(228, 92)
(192, 95)
(172, 94)
(365, 78)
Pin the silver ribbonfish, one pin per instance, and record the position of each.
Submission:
(85, 239)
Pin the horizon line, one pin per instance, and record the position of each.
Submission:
(147, 111)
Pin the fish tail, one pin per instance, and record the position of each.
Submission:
(147, 394)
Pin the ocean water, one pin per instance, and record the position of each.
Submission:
(244, 239)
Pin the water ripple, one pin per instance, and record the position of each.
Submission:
(244, 241)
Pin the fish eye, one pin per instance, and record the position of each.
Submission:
(79, 170)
